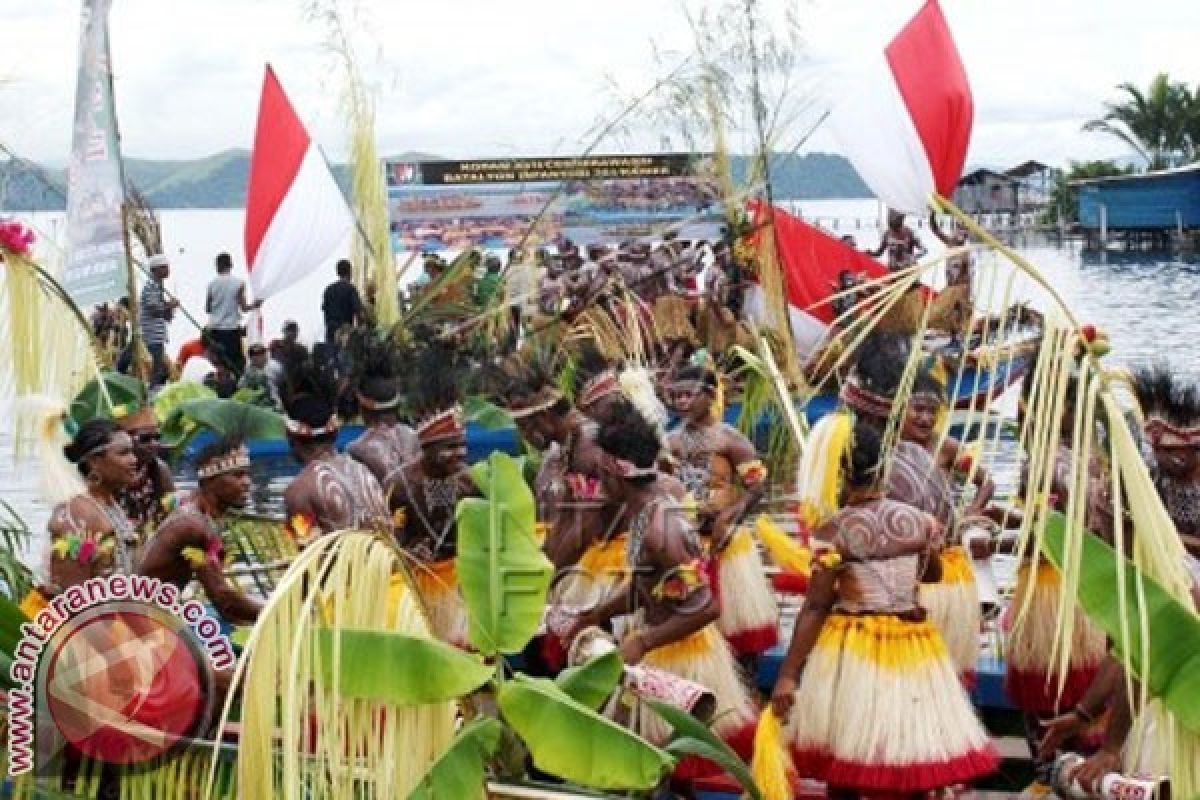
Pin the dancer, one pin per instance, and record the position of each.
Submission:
(90, 536)
(386, 443)
(424, 492)
(899, 242)
(721, 470)
(333, 492)
(951, 309)
(879, 707)
(669, 593)
(920, 478)
(188, 544)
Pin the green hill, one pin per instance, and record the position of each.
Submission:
(219, 180)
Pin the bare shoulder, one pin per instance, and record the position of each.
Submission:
(77, 515)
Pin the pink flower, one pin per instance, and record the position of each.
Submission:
(87, 551)
(15, 237)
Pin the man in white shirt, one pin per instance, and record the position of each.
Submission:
(225, 304)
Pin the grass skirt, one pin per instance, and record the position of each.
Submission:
(879, 707)
(1031, 679)
(953, 606)
(437, 584)
(601, 569)
(703, 657)
(749, 615)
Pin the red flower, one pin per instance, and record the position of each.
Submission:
(15, 237)
(1089, 333)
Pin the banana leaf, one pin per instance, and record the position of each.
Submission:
(485, 414)
(592, 683)
(1174, 646)
(501, 569)
(176, 428)
(225, 417)
(692, 737)
(458, 773)
(569, 740)
(399, 669)
(124, 390)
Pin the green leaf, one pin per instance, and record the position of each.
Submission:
(1174, 646)
(573, 742)
(394, 668)
(592, 683)
(177, 429)
(458, 772)
(123, 390)
(502, 571)
(690, 736)
(230, 416)
(485, 414)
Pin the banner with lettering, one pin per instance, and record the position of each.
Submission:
(495, 203)
(96, 258)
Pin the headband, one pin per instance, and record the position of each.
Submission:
(932, 397)
(627, 469)
(541, 400)
(865, 401)
(697, 385)
(306, 431)
(368, 404)
(1160, 431)
(235, 460)
(598, 388)
(445, 424)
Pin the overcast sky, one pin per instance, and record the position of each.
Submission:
(476, 78)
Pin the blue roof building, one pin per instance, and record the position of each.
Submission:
(1157, 201)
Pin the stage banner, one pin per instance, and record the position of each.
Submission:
(96, 259)
(493, 203)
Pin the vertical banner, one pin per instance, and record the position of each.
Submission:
(96, 258)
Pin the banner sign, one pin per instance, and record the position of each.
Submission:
(96, 259)
(494, 203)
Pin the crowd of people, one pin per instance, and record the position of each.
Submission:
(654, 532)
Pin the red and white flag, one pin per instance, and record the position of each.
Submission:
(296, 215)
(904, 118)
(812, 263)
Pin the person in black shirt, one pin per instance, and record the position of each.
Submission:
(341, 304)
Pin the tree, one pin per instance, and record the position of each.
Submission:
(1159, 124)
(1064, 198)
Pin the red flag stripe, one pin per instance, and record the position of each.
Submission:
(280, 142)
(933, 83)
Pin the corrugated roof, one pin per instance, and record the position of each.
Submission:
(1162, 173)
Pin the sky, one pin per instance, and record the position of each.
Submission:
(496, 78)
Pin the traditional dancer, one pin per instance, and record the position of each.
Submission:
(333, 492)
(1172, 427)
(920, 478)
(899, 242)
(951, 309)
(721, 470)
(424, 492)
(386, 443)
(149, 498)
(669, 593)
(879, 706)
(188, 544)
(90, 535)
(597, 384)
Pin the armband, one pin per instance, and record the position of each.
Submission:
(827, 558)
(300, 526)
(681, 581)
(752, 473)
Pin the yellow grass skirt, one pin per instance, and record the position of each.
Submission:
(601, 569)
(749, 614)
(437, 583)
(953, 606)
(703, 657)
(1032, 678)
(879, 707)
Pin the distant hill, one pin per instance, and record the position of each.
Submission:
(219, 181)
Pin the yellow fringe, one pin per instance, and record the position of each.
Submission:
(771, 766)
(605, 558)
(788, 554)
(819, 484)
(884, 640)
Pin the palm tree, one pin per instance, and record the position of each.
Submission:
(1154, 123)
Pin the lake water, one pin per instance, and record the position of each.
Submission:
(1146, 302)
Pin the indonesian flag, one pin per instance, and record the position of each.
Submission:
(812, 262)
(904, 119)
(296, 215)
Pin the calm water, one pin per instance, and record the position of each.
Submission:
(1145, 302)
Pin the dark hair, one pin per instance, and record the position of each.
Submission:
(431, 381)
(627, 435)
(224, 262)
(92, 436)
(344, 268)
(1158, 391)
(703, 375)
(309, 391)
(880, 362)
(925, 383)
(865, 455)
(517, 381)
(219, 449)
(589, 363)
